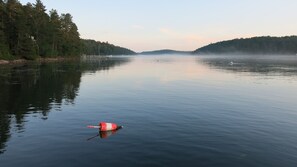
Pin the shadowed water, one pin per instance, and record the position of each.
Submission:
(176, 111)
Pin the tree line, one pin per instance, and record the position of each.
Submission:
(255, 45)
(92, 47)
(28, 32)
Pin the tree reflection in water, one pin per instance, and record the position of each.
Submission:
(37, 88)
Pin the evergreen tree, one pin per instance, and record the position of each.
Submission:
(71, 45)
(55, 32)
(4, 50)
(12, 13)
(41, 29)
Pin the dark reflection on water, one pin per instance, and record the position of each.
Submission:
(266, 65)
(39, 88)
(103, 134)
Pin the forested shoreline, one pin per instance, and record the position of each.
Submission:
(92, 47)
(29, 32)
(164, 52)
(257, 46)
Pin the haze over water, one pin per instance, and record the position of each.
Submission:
(176, 111)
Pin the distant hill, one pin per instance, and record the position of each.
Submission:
(255, 45)
(92, 47)
(164, 51)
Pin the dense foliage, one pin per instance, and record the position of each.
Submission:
(27, 31)
(92, 47)
(256, 45)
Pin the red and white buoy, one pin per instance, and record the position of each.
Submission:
(103, 126)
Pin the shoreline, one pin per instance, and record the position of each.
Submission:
(40, 60)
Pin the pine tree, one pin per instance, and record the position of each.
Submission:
(55, 32)
(4, 50)
(71, 45)
(41, 29)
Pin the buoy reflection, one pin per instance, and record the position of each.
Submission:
(104, 134)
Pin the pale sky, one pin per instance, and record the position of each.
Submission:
(143, 25)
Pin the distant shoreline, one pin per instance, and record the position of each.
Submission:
(262, 45)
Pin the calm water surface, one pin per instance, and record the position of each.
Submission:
(176, 111)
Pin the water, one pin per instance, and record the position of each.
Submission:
(176, 111)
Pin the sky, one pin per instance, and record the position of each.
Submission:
(143, 25)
